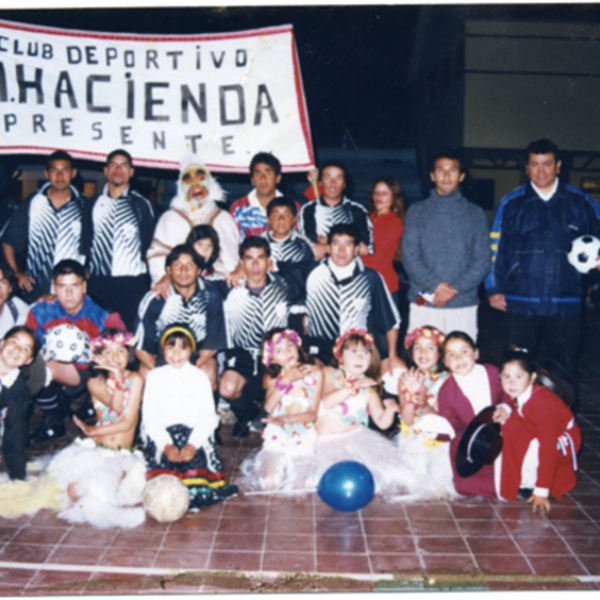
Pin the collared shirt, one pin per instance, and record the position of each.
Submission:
(122, 230)
(202, 313)
(545, 196)
(250, 215)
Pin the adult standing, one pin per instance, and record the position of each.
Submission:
(333, 208)
(531, 279)
(45, 229)
(445, 251)
(118, 225)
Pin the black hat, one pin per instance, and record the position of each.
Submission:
(480, 445)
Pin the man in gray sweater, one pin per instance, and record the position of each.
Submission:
(445, 251)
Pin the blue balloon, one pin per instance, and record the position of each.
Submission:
(347, 486)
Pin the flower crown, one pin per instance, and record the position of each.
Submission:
(337, 349)
(122, 339)
(429, 332)
(269, 345)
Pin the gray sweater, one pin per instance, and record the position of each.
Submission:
(446, 238)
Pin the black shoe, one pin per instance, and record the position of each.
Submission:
(48, 430)
(240, 430)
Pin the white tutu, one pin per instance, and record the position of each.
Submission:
(109, 483)
(370, 448)
(427, 458)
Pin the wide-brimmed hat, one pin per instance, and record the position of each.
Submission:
(480, 445)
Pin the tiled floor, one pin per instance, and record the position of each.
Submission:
(242, 544)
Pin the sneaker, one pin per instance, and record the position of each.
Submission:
(48, 430)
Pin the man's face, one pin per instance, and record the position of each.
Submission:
(70, 290)
(264, 179)
(542, 169)
(342, 249)
(333, 182)
(118, 171)
(195, 180)
(255, 263)
(183, 271)
(60, 173)
(281, 220)
(446, 175)
(5, 288)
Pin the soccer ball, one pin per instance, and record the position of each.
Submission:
(584, 253)
(166, 498)
(66, 343)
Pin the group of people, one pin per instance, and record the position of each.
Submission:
(288, 311)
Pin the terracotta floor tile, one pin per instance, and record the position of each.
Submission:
(87, 537)
(73, 555)
(442, 545)
(515, 511)
(21, 553)
(350, 526)
(138, 539)
(39, 535)
(542, 545)
(245, 511)
(181, 559)
(289, 543)
(7, 533)
(229, 525)
(110, 583)
(19, 577)
(288, 525)
(234, 561)
(485, 527)
(47, 518)
(577, 528)
(125, 557)
(383, 511)
(188, 540)
(322, 511)
(18, 522)
(492, 545)
(556, 565)
(568, 513)
(386, 526)
(289, 561)
(584, 545)
(71, 580)
(472, 512)
(533, 525)
(451, 562)
(428, 511)
(197, 521)
(591, 563)
(382, 563)
(346, 563)
(433, 527)
(390, 543)
(231, 541)
(341, 543)
(502, 564)
(295, 510)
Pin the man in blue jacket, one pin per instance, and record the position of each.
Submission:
(531, 279)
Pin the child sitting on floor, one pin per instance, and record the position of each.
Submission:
(541, 438)
(293, 391)
(179, 420)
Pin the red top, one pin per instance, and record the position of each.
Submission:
(387, 232)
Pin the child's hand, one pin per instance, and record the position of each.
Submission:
(363, 382)
(104, 363)
(540, 504)
(391, 406)
(412, 380)
(187, 452)
(279, 421)
(500, 415)
(172, 453)
(85, 428)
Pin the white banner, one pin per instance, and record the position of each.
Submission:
(224, 96)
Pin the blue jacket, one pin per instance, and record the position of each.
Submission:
(530, 240)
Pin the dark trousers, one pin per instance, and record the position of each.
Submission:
(560, 334)
(119, 294)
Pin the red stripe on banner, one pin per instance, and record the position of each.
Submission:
(146, 37)
(301, 104)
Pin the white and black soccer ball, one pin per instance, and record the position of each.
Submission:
(584, 253)
(166, 498)
(66, 343)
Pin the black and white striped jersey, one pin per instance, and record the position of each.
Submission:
(46, 235)
(361, 300)
(121, 234)
(203, 314)
(250, 316)
(317, 218)
(293, 249)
